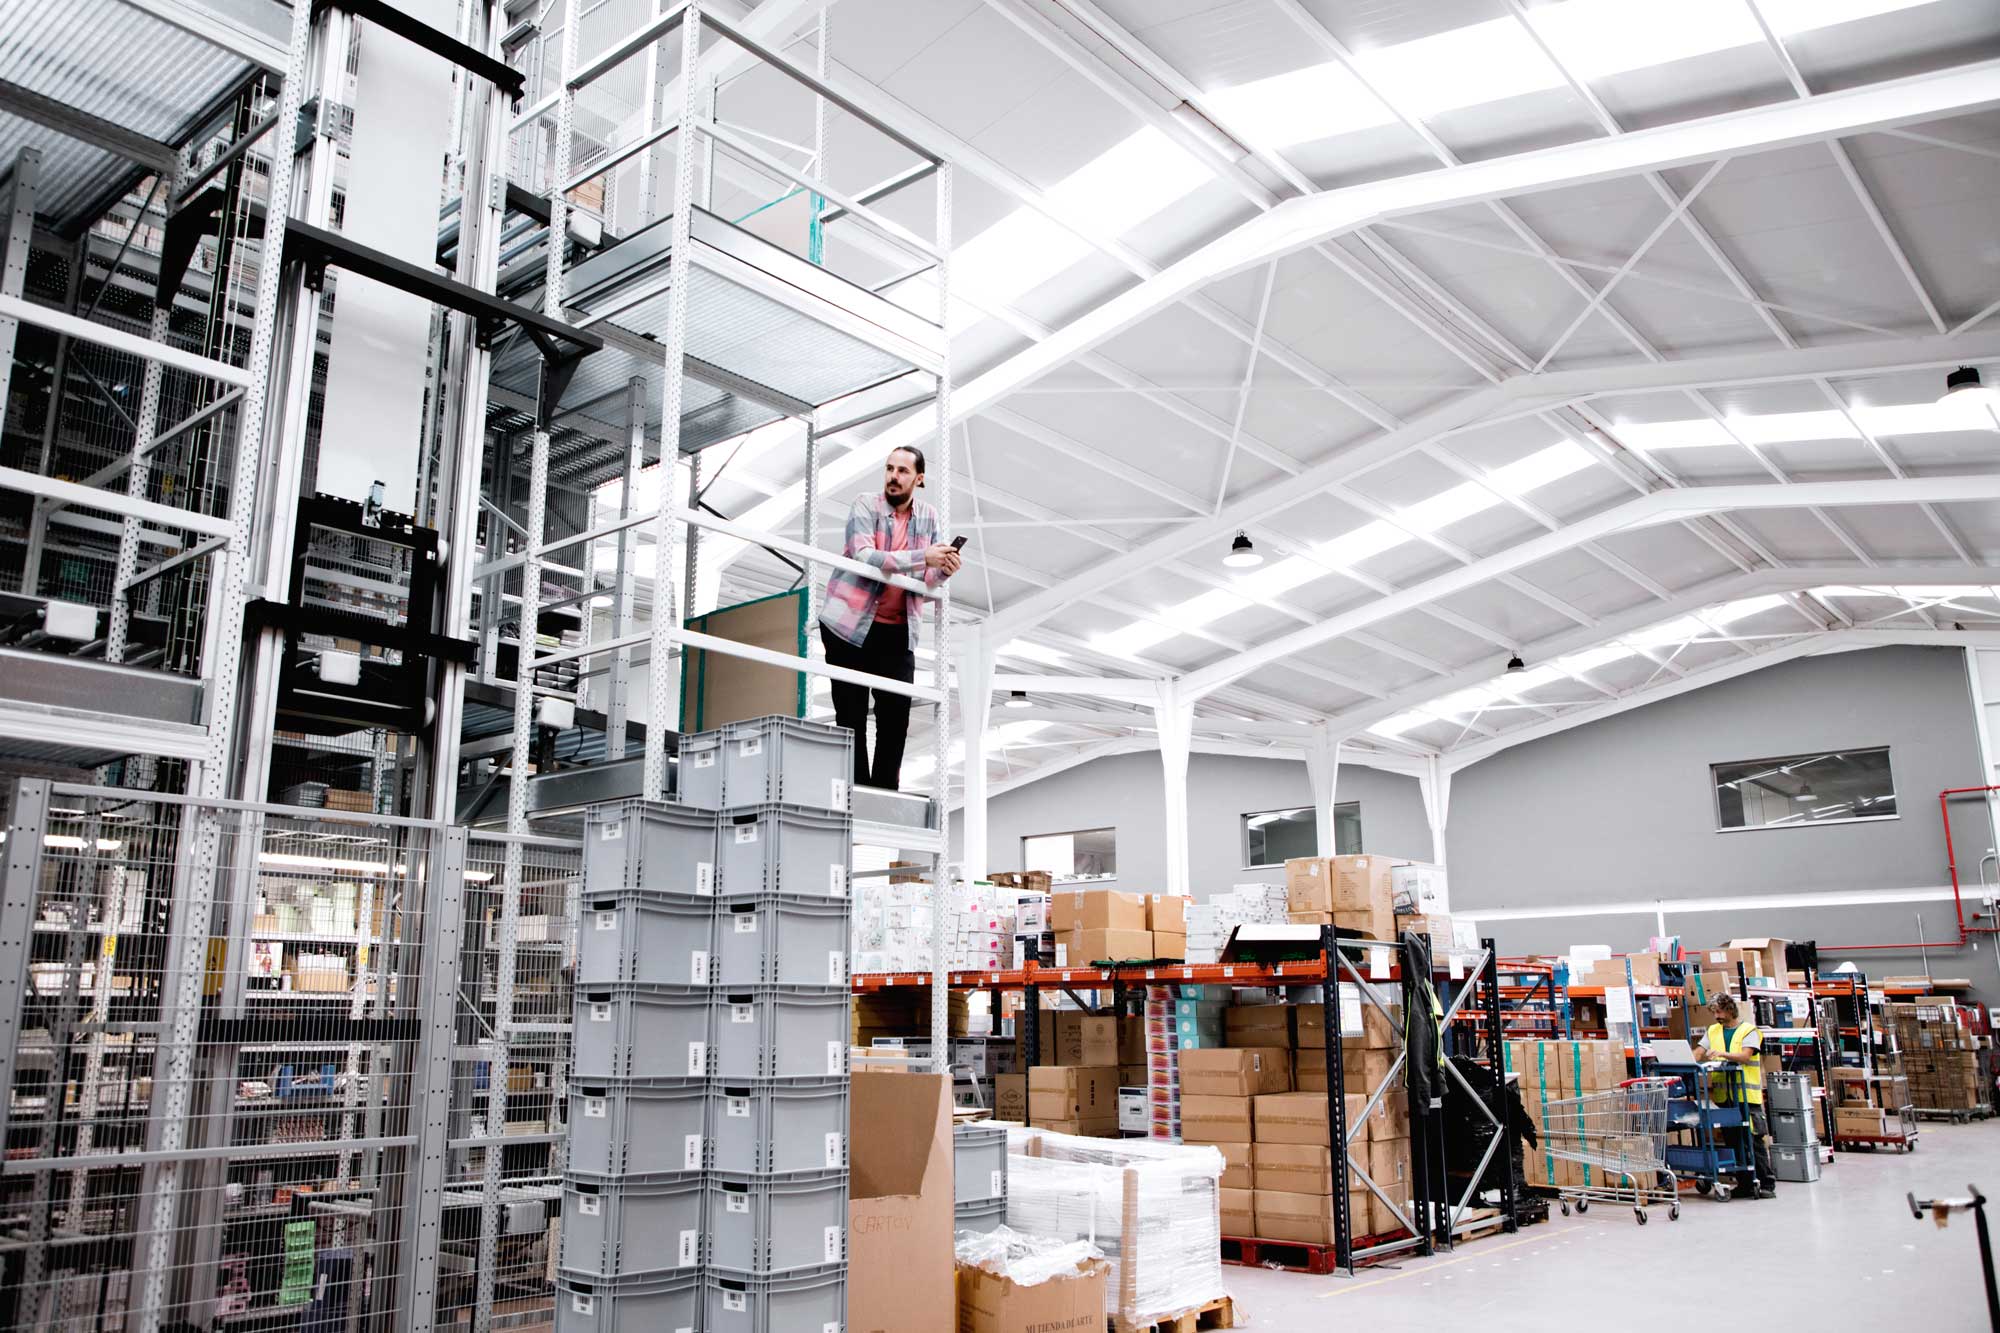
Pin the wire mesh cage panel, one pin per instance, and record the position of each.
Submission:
(211, 1074)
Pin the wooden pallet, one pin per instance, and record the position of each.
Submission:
(1295, 1256)
(1218, 1313)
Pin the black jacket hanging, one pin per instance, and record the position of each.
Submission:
(1423, 1025)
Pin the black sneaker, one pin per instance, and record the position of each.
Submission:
(1764, 1192)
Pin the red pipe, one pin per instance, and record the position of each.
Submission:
(1965, 932)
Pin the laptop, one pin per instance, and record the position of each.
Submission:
(1672, 1052)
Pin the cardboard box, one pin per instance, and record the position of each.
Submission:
(1167, 944)
(1238, 1166)
(1639, 969)
(1071, 1303)
(1869, 1121)
(1097, 909)
(1239, 1212)
(1106, 1128)
(1305, 1218)
(1725, 961)
(1206, 1119)
(900, 1262)
(1770, 954)
(1010, 1098)
(1292, 1168)
(1131, 1039)
(1245, 1071)
(1084, 947)
(1340, 884)
(1072, 1092)
(1133, 1076)
(1375, 923)
(1166, 912)
(1363, 1027)
(1361, 1071)
(1308, 885)
(1070, 1038)
(1292, 1117)
(1258, 1024)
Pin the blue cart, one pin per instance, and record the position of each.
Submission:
(1709, 1142)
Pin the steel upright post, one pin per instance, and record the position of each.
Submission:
(1496, 1066)
(1336, 1099)
(941, 876)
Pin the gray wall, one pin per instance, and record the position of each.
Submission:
(1126, 792)
(1621, 812)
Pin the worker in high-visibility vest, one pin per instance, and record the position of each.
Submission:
(1739, 1043)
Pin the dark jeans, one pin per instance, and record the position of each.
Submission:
(1760, 1130)
(886, 653)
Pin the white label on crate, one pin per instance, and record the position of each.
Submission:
(699, 968)
(840, 793)
(836, 968)
(697, 1059)
(836, 1057)
(594, 1108)
(690, 1248)
(836, 1152)
(589, 1205)
(691, 1152)
(737, 1108)
(580, 1302)
(999, 1183)
(1457, 966)
(742, 1013)
(735, 1300)
(833, 1245)
(609, 833)
(600, 1013)
(746, 833)
(704, 878)
(737, 1203)
(1228, 971)
(746, 923)
(1378, 964)
(607, 920)
(830, 1326)
(751, 745)
(836, 881)
(704, 759)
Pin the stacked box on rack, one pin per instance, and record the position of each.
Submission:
(1211, 923)
(1163, 1070)
(1554, 1075)
(708, 1110)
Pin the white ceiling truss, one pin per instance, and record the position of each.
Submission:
(1630, 374)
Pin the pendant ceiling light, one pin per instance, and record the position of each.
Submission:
(1242, 555)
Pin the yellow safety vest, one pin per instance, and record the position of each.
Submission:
(1723, 1085)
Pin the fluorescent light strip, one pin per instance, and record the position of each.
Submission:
(1954, 415)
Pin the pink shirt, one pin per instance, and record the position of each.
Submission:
(889, 609)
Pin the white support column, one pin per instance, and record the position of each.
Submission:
(1323, 768)
(1982, 677)
(975, 708)
(1434, 780)
(1173, 713)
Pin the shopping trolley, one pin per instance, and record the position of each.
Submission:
(1619, 1137)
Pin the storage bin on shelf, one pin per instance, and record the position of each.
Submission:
(807, 1303)
(631, 1226)
(776, 1226)
(628, 1305)
(782, 760)
(777, 1127)
(784, 849)
(632, 1127)
(633, 937)
(979, 1163)
(780, 940)
(698, 771)
(780, 1032)
(641, 1032)
(661, 847)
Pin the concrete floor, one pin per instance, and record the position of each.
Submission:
(1843, 1250)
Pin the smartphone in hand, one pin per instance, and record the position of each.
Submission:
(958, 543)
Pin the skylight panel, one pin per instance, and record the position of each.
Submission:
(1352, 548)
(1299, 106)
(1743, 608)
(1033, 652)
(1130, 182)
(1791, 427)
(1597, 38)
(1133, 639)
(1651, 435)
(1540, 468)
(1446, 508)
(1590, 659)
(1461, 67)
(1400, 723)
(1274, 580)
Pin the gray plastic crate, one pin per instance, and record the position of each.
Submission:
(638, 938)
(698, 770)
(978, 1163)
(663, 848)
(814, 1303)
(1793, 1128)
(662, 1304)
(774, 1032)
(783, 761)
(985, 1215)
(619, 1127)
(1787, 1092)
(631, 1226)
(777, 1128)
(781, 940)
(776, 1226)
(1798, 1163)
(640, 1032)
(780, 849)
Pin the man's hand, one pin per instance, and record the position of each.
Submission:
(944, 557)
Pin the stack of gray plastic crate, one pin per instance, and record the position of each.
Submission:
(777, 1101)
(635, 1199)
(979, 1176)
(1788, 1102)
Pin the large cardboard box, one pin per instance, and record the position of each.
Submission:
(1363, 1027)
(1300, 1117)
(1308, 884)
(1639, 969)
(1361, 1071)
(1084, 947)
(900, 1264)
(1239, 1212)
(1870, 1121)
(1097, 909)
(1725, 961)
(1258, 1024)
(1072, 1092)
(1305, 1218)
(1166, 912)
(1292, 1168)
(1070, 1038)
(1340, 884)
(1238, 1171)
(1132, 1039)
(1071, 1303)
(1010, 1097)
(1168, 944)
(1770, 953)
(1206, 1119)
(1375, 923)
(1241, 1071)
